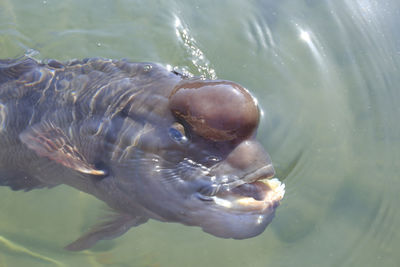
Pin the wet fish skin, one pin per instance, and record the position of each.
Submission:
(142, 139)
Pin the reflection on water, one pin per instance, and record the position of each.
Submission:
(326, 76)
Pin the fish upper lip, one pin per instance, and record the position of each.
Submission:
(233, 197)
(261, 173)
(264, 172)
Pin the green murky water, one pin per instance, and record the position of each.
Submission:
(326, 74)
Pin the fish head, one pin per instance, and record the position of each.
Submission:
(199, 163)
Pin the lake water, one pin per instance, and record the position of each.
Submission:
(326, 74)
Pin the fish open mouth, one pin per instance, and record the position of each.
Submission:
(258, 195)
(248, 194)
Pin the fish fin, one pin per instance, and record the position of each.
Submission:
(18, 180)
(50, 141)
(110, 229)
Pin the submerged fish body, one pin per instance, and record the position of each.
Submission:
(149, 142)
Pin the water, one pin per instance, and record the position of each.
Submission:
(326, 74)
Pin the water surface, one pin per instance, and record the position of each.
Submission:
(326, 74)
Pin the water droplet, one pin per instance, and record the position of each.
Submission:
(147, 68)
(169, 67)
(213, 159)
(31, 52)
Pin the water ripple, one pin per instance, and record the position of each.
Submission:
(259, 32)
(197, 57)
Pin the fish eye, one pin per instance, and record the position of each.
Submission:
(177, 133)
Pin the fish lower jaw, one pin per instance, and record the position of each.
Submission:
(272, 197)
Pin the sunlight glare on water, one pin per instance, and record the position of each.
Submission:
(195, 54)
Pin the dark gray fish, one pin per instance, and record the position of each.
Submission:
(149, 142)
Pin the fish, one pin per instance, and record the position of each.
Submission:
(150, 142)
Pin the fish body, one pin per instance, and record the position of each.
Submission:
(151, 143)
